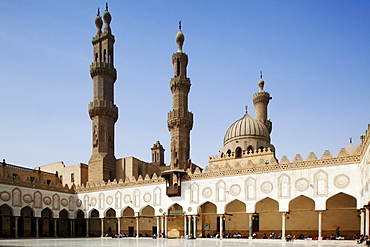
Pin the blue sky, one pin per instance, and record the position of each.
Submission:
(314, 55)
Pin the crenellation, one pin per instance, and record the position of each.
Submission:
(326, 155)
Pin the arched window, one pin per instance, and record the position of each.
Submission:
(238, 152)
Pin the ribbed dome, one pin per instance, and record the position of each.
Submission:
(246, 126)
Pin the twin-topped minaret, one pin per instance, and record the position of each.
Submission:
(102, 110)
(180, 120)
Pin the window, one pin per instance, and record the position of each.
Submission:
(72, 177)
(61, 179)
(32, 179)
(48, 182)
(15, 175)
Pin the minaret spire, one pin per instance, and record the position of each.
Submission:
(180, 120)
(102, 110)
(260, 101)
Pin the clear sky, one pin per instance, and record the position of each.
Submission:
(314, 55)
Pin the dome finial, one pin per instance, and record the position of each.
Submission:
(106, 6)
(180, 39)
(98, 12)
(261, 75)
(350, 140)
(246, 109)
(98, 23)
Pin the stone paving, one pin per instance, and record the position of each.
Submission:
(147, 242)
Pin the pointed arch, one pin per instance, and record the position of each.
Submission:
(267, 204)
(238, 152)
(136, 198)
(16, 197)
(94, 213)
(207, 207)
(250, 189)
(5, 209)
(79, 214)
(157, 196)
(63, 213)
(321, 183)
(37, 197)
(284, 186)
(194, 193)
(56, 202)
(86, 202)
(128, 212)
(147, 211)
(47, 213)
(221, 191)
(235, 206)
(118, 200)
(109, 213)
(101, 201)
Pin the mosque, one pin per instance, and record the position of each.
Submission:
(245, 189)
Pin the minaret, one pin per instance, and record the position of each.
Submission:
(158, 154)
(102, 110)
(180, 120)
(260, 101)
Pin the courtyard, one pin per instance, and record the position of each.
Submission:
(147, 242)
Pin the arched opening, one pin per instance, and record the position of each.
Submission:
(228, 153)
(175, 221)
(94, 224)
(261, 149)
(128, 224)
(236, 220)
(148, 225)
(208, 221)
(341, 211)
(302, 220)
(110, 223)
(238, 152)
(249, 149)
(63, 226)
(7, 221)
(268, 218)
(105, 56)
(46, 223)
(80, 224)
(27, 223)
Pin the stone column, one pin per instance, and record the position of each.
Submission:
(221, 226)
(165, 225)
(283, 217)
(137, 226)
(185, 226)
(319, 237)
(72, 223)
(362, 224)
(37, 226)
(250, 219)
(87, 228)
(162, 225)
(189, 225)
(102, 227)
(16, 226)
(55, 227)
(158, 226)
(195, 226)
(119, 225)
(367, 221)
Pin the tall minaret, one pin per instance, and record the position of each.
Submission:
(103, 112)
(260, 101)
(180, 120)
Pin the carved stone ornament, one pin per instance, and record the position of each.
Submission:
(93, 202)
(160, 210)
(47, 200)
(147, 197)
(127, 199)
(79, 203)
(64, 202)
(235, 190)
(341, 181)
(301, 184)
(266, 187)
(27, 198)
(189, 209)
(109, 200)
(207, 192)
(5, 196)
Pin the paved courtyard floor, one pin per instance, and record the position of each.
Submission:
(145, 242)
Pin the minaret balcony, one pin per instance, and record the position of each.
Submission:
(102, 68)
(103, 108)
